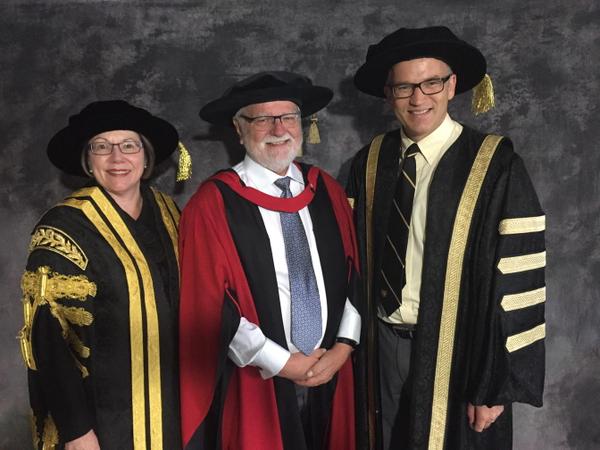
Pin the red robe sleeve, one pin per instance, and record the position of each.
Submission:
(211, 271)
(204, 273)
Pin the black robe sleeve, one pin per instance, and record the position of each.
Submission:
(58, 331)
(508, 360)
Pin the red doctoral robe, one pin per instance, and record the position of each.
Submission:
(224, 406)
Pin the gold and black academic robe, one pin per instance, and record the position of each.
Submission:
(100, 297)
(481, 328)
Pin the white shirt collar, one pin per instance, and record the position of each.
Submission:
(261, 178)
(431, 146)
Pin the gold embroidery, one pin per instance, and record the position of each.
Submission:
(370, 179)
(456, 253)
(350, 202)
(34, 432)
(55, 240)
(133, 261)
(520, 340)
(46, 287)
(78, 316)
(54, 285)
(168, 220)
(522, 225)
(521, 300)
(77, 345)
(522, 263)
(50, 436)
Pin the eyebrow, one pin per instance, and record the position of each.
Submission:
(436, 77)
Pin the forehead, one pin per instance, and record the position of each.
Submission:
(415, 70)
(117, 135)
(271, 108)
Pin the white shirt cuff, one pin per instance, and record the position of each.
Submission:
(271, 359)
(250, 346)
(350, 323)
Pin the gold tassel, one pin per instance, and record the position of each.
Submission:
(184, 171)
(483, 96)
(50, 436)
(313, 132)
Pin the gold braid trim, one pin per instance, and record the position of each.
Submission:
(452, 291)
(57, 241)
(520, 340)
(523, 263)
(50, 436)
(520, 225)
(370, 181)
(77, 316)
(511, 302)
(44, 287)
(169, 220)
(34, 432)
(77, 345)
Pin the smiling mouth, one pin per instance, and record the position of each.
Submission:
(118, 171)
(420, 112)
(281, 142)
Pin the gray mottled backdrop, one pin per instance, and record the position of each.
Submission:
(173, 56)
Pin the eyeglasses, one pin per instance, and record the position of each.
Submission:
(428, 87)
(262, 123)
(104, 147)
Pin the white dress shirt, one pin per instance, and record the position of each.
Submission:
(250, 345)
(432, 149)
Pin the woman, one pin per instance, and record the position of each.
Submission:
(100, 292)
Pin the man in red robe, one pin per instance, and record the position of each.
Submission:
(268, 262)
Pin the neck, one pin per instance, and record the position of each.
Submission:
(130, 203)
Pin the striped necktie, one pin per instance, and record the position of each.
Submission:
(393, 277)
(304, 293)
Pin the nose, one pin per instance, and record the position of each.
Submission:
(417, 96)
(278, 128)
(116, 154)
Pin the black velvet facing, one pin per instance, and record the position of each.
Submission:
(252, 243)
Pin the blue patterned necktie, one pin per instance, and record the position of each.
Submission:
(305, 301)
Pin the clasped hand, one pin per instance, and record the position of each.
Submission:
(317, 368)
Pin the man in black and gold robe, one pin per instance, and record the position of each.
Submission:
(455, 316)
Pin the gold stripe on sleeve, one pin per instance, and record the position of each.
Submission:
(520, 225)
(454, 268)
(522, 300)
(522, 263)
(520, 340)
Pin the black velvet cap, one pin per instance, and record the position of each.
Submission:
(267, 87)
(65, 147)
(467, 62)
